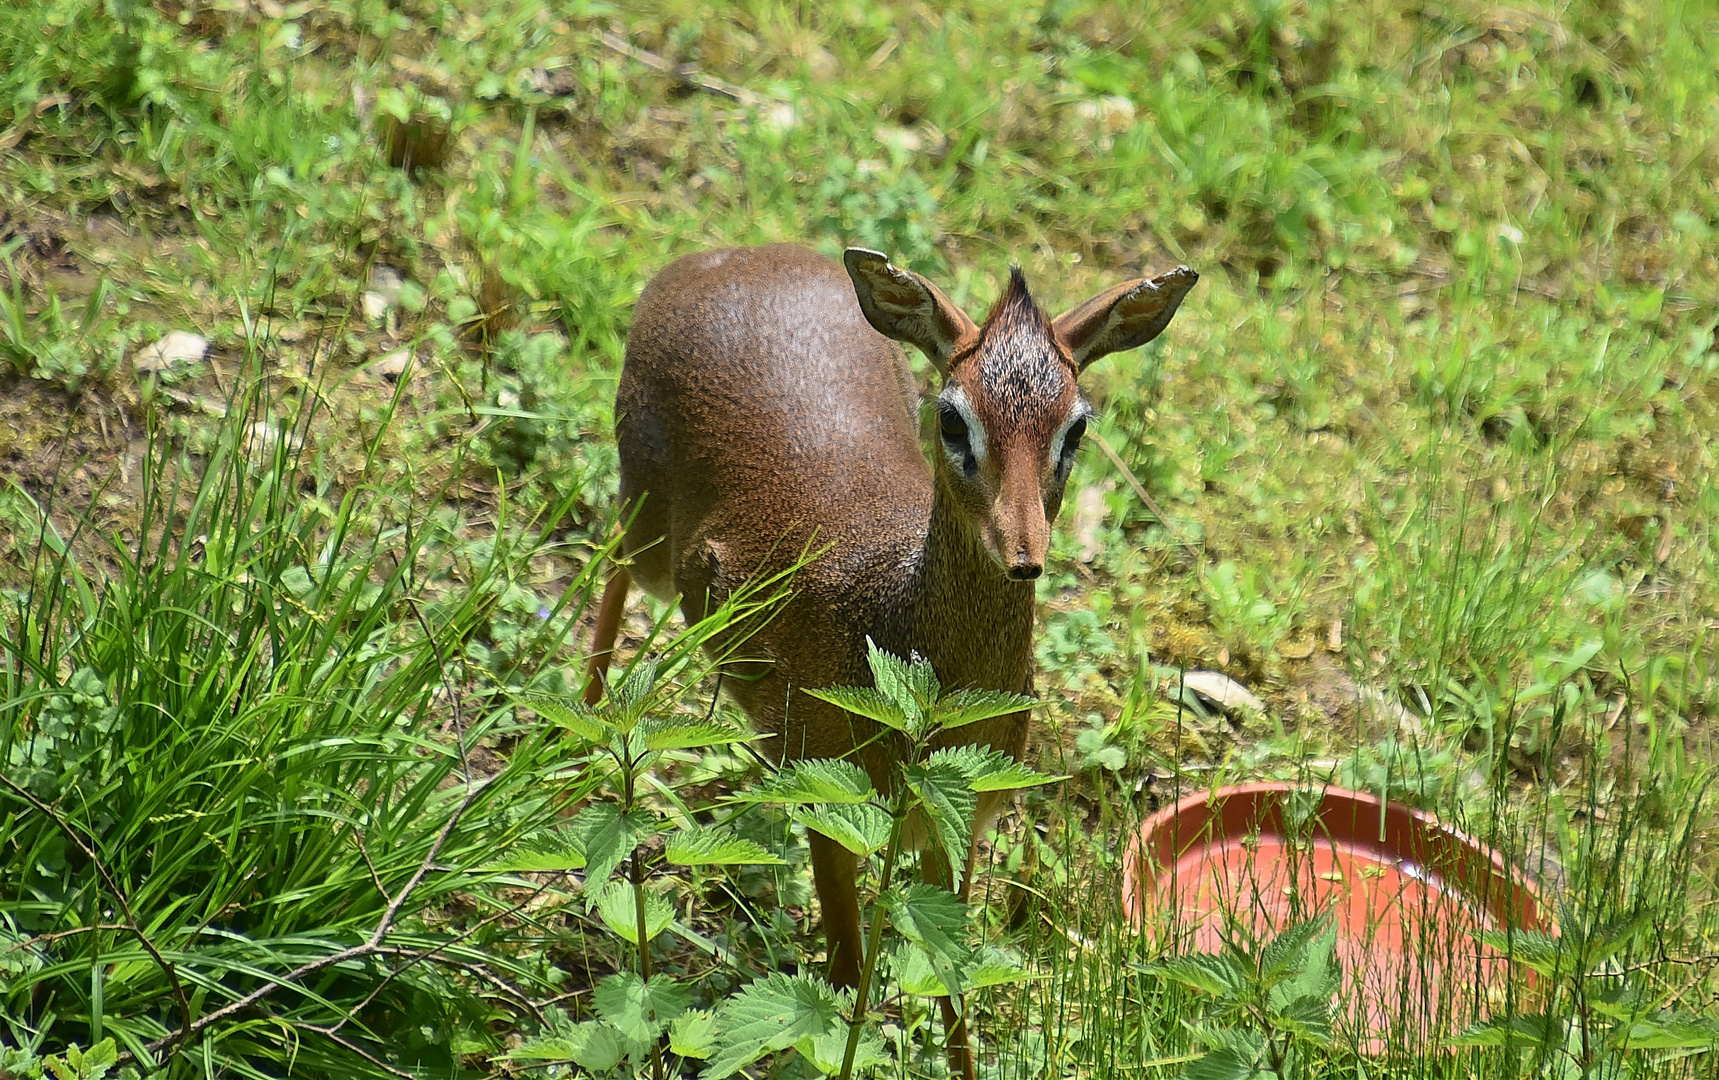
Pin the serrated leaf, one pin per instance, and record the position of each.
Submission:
(947, 800)
(912, 686)
(1308, 1017)
(607, 836)
(867, 702)
(1220, 976)
(1522, 1029)
(773, 1013)
(693, 1034)
(594, 1045)
(619, 911)
(575, 716)
(990, 770)
(641, 1011)
(991, 966)
(716, 847)
(936, 921)
(965, 707)
(665, 734)
(1672, 1031)
(1225, 1064)
(1543, 952)
(860, 827)
(820, 781)
(827, 1051)
(555, 849)
(1305, 965)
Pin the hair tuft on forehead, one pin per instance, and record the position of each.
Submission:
(1015, 310)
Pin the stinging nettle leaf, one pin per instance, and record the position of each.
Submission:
(555, 849)
(818, 781)
(665, 734)
(965, 707)
(641, 1011)
(607, 836)
(862, 828)
(619, 910)
(990, 770)
(935, 920)
(950, 803)
(716, 847)
(867, 702)
(575, 716)
(1220, 976)
(771, 1014)
(693, 1035)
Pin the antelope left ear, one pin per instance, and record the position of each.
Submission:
(1122, 318)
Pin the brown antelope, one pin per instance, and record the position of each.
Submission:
(764, 411)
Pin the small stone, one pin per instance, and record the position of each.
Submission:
(1222, 691)
(392, 366)
(1089, 513)
(386, 282)
(176, 349)
(375, 307)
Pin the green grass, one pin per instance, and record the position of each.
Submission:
(1435, 425)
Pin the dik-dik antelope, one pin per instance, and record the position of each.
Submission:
(764, 411)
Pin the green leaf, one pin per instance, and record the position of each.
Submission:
(1308, 1018)
(913, 687)
(965, 707)
(666, 734)
(693, 1034)
(990, 966)
(950, 803)
(1225, 1064)
(773, 1013)
(716, 847)
(867, 702)
(607, 836)
(1301, 962)
(550, 850)
(641, 1011)
(575, 716)
(1221, 976)
(1522, 1029)
(936, 921)
(619, 911)
(594, 1045)
(1672, 1031)
(860, 827)
(820, 781)
(990, 770)
(827, 1051)
(1543, 952)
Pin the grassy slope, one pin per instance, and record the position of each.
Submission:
(1448, 380)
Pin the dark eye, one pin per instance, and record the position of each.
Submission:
(955, 436)
(950, 423)
(1071, 442)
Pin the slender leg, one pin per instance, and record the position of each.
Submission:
(835, 872)
(608, 629)
(934, 868)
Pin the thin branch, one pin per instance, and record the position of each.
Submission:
(132, 926)
(1140, 490)
(334, 1036)
(687, 74)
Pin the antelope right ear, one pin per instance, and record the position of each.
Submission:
(902, 305)
(1125, 317)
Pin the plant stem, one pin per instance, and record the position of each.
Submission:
(874, 935)
(636, 868)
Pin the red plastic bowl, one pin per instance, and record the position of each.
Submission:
(1408, 896)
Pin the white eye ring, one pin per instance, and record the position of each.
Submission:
(957, 397)
(1081, 411)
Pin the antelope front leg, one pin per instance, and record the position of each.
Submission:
(835, 873)
(934, 868)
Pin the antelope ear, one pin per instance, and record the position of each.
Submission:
(1125, 317)
(902, 305)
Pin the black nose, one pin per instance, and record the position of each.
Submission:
(1025, 571)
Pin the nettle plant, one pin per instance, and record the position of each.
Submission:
(921, 929)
